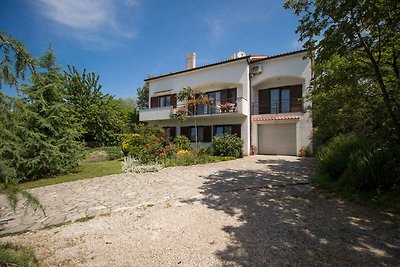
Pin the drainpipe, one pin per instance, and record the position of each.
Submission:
(250, 102)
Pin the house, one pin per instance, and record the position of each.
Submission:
(259, 98)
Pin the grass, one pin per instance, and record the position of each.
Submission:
(85, 170)
(13, 255)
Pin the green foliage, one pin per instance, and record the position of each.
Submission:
(376, 168)
(356, 66)
(333, 158)
(194, 158)
(148, 145)
(227, 145)
(39, 135)
(14, 255)
(102, 118)
(15, 60)
(181, 142)
(143, 96)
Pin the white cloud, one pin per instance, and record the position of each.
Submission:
(216, 27)
(88, 20)
(296, 44)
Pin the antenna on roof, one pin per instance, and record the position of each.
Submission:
(241, 54)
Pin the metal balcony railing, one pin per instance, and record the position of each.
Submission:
(230, 105)
(278, 106)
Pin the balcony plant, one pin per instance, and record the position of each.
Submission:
(227, 107)
(192, 100)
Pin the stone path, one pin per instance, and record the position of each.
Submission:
(256, 211)
(75, 200)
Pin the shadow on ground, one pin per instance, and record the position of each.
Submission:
(283, 221)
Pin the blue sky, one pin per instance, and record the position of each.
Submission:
(124, 41)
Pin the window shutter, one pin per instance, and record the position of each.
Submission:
(263, 102)
(296, 102)
(173, 100)
(237, 129)
(207, 134)
(185, 131)
(154, 102)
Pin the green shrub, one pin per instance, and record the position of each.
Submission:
(332, 159)
(227, 145)
(13, 255)
(181, 142)
(376, 167)
(148, 145)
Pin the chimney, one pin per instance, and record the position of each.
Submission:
(233, 56)
(191, 61)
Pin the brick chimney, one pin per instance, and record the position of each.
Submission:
(191, 61)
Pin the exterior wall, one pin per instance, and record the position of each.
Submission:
(229, 75)
(280, 71)
(206, 121)
(285, 71)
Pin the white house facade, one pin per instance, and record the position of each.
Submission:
(259, 98)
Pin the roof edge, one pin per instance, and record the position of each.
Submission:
(224, 62)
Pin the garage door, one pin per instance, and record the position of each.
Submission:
(277, 139)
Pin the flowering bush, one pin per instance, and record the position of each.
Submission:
(130, 164)
(182, 153)
(148, 145)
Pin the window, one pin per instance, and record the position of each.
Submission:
(223, 129)
(279, 100)
(164, 101)
(193, 135)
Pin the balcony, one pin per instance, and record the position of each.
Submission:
(277, 107)
(233, 106)
(228, 107)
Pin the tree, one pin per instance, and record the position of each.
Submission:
(143, 96)
(100, 121)
(193, 99)
(15, 60)
(363, 36)
(43, 139)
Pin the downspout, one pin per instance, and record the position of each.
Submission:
(250, 103)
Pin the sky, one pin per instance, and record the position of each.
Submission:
(125, 41)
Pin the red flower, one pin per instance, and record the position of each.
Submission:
(147, 145)
(160, 151)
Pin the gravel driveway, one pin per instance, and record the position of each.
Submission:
(256, 211)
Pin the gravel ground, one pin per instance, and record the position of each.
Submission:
(256, 211)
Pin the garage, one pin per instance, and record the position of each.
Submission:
(277, 139)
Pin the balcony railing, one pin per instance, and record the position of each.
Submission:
(232, 105)
(278, 106)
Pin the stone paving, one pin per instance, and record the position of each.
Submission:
(74, 200)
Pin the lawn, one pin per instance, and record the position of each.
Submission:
(85, 170)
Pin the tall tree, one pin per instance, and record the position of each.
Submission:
(44, 136)
(96, 112)
(364, 35)
(143, 96)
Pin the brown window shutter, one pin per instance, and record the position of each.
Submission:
(263, 102)
(207, 134)
(296, 102)
(173, 100)
(237, 129)
(154, 102)
(185, 131)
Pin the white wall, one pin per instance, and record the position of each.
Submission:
(282, 71)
